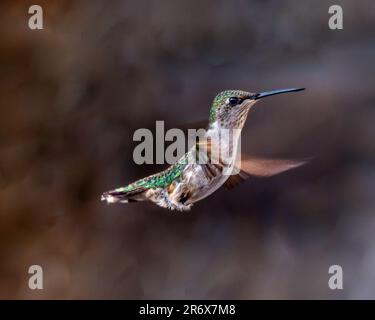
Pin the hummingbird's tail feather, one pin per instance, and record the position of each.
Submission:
(123, 195)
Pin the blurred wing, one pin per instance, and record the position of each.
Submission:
(269, 167)
(235, 180)
(261, 168)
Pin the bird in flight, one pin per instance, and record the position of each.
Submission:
(188, 180)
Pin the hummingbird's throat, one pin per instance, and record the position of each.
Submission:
(232, 119)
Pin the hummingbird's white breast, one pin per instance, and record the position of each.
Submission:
(202, 179)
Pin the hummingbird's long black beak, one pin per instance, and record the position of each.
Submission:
(271, 93)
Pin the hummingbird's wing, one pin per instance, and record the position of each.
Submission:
(259, 167)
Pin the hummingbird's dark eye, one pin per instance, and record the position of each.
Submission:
(233, 101)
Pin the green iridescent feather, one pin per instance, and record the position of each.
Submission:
(159, 180)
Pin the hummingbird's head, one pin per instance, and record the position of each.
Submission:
(230, 108)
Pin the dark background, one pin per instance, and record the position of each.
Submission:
(73, 94)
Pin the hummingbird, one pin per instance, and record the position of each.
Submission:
(187, 181)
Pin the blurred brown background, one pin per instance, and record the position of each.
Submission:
(73, 94)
